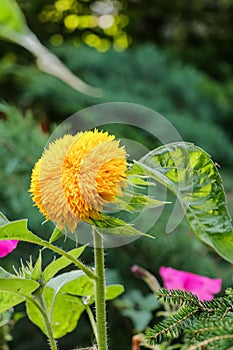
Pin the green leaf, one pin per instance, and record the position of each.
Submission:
(115, 226)
(57, 233)
(3, 219)
(11, 18)
(37, 270)
(113, 291)
(62, 301)
(137, 201)
(191, 175)
(9, 300)
(55, 266)
(17, 230)
(66, 312)
(64, 309)
(14, 290)
(137, 180)
(83, 287)
(59, 281)
(5, 274)
(18, 286)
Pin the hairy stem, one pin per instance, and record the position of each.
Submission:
(41, 306)
(100, 302)
(92, 321)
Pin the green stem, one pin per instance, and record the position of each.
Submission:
(100, 303)
(92, 321)
(48, 326)
(78, 263)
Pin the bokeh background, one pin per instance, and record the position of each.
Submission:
(174, 57)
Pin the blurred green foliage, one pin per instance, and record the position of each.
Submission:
(138, 308)
(99, 24)
(190, 100)
(199, 32)
(22, 143)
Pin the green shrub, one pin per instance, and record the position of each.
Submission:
(22, 143)
(195, 104)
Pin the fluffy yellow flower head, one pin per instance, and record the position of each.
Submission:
(77, 175)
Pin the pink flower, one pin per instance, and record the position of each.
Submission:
(203, 287)
(6, 247)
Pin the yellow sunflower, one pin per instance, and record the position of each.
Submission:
(77, 175)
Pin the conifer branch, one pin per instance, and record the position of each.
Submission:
(172, 326)
(177, 297)
(205, 343)
(201, 324)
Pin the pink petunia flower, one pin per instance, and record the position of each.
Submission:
(6, 247)
(203, 287)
